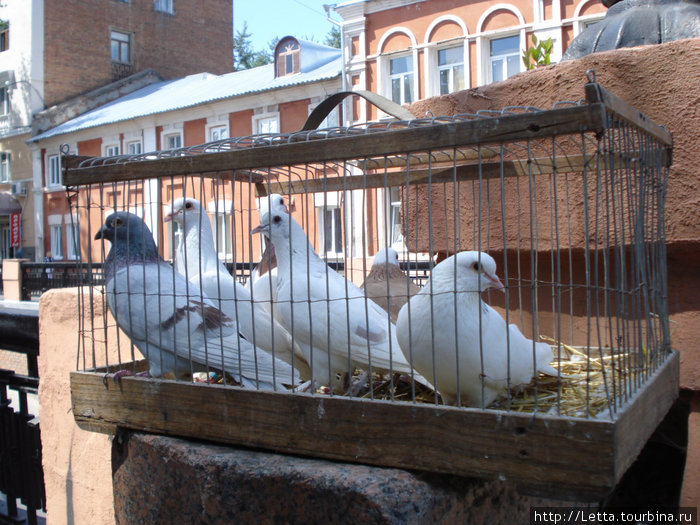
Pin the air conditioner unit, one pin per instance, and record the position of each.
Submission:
(19, 188)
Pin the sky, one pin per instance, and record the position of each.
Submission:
(268, 19)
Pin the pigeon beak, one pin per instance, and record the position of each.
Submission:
(101, 232)
(168, 217)
(495, 281)
(261, 228)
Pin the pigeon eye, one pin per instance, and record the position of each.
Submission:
(117, 222)
(476, 266)
(188, 205)
(276, 219)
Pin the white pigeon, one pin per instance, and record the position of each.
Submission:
(171, 321)
(441, 326)
(263, 279)
(386, 284)
(196, 258)
(336, 325)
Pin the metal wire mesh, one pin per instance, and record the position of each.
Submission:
(573, 219)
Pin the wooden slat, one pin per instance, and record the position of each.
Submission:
(641, 417)
(595, 93)
(566, 457)
(435, 175)
(523, 126)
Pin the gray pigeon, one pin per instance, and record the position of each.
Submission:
(170, 320)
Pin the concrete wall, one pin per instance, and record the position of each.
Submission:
(77, 463)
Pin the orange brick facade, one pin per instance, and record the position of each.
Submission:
(196, 37)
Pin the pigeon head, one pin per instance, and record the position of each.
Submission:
(273, 202)
(273, 224)
(184, 210)
(386, 256)
(475, 272)
(129, 235)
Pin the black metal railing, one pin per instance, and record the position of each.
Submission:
(21, 472)
(39, 277)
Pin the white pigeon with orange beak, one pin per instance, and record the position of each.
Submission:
(197, 260)
(462, 344)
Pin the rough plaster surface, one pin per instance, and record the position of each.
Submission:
(159, 479)
(77, 472)
(663, 82)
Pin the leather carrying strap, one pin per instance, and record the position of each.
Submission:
(321, 111)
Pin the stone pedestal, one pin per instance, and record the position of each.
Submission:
(160, 479)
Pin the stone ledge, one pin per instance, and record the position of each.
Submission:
(170, 480)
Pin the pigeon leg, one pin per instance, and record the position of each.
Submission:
(121, 373)
(358, 384)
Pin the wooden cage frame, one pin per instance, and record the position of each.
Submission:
(556, 456)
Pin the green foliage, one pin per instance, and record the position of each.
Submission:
(539, 54)
(244, 56)
(333, 37)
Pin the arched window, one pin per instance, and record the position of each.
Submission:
(287, 58)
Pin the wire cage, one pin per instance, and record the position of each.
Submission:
(561, 210)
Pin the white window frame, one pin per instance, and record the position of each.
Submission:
(123, 42)
(325, 203)
(4, 101)
(489, 58)
(266, 123)
(217, 132)
(111, 150)
(450, 68)
(220, 212)
(53, 171)
(134, 147)
(402, 77)
(4, 241)
(5, 171)
(56, 232)
(72, 236)
(167, 135)
(163, 6)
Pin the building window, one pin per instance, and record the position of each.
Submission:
(223, 235)
(4, 101)
(72, 239)
(267, 125)
(120, 44)
(134, 148)
(395, 216)
(4, 35)
(112, 151)
(5, 167)
(163, 6)
(4, 241)
(504, 57)
(218, 133)
(401, 77)
(451, 69)
(330, 231)
(288, 58)
(56, 242)
(54, 170)
(172, 141)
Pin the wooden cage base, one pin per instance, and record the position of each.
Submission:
(554, 456)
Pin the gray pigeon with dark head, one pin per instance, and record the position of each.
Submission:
(170, 320)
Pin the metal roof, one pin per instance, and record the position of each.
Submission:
(193, 90)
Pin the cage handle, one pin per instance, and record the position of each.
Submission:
(321, 111)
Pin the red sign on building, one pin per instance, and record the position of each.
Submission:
(14, 230)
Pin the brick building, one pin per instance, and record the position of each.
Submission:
(61, 58)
